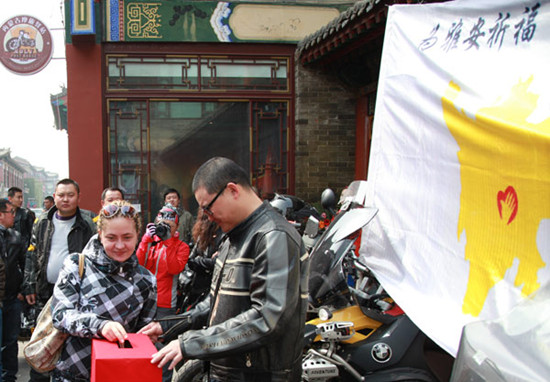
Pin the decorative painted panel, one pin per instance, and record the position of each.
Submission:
(209, 21)
(82, 17)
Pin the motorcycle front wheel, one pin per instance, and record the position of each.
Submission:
(191, 371)
(13, 44)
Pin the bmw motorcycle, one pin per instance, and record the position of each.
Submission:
(360, 334)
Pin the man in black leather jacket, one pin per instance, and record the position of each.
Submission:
(24, 218)
(12, 250)
(254, 317)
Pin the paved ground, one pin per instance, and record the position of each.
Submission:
(24, 368)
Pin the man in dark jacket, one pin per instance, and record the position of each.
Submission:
(24, 218)
(60, 232)
(255, 314)
(12, 251)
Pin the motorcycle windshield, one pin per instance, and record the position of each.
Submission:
(328, 278)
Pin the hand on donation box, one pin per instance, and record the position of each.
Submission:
(153, 330)
(113, 331)
(151, 229)
(171, 352)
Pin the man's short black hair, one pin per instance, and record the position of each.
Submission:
(170, 191)
(13, 190)
(112, 189)
(50, 198)
(4, 203)
(215, 173)
(68, 181)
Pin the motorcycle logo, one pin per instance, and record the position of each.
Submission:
(381, 352)
(26, 45)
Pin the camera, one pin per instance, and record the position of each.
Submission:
(162, 230)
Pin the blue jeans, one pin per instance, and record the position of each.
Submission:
(11, 324)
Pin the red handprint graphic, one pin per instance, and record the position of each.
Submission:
(510, 199)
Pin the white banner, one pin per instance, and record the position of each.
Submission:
(460, 161)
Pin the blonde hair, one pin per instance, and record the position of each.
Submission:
(102, 219)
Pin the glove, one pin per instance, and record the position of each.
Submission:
(150, 229)
(201, 264)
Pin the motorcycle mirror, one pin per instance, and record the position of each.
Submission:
(328, 200)
(312, 227)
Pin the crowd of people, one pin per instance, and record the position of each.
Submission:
(244, 312)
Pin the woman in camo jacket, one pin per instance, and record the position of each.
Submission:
(115, 295)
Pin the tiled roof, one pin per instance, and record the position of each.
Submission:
(364, 17)
(350, 24)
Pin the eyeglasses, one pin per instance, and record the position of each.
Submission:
(206, 209)
(111, 210)
(12, 212)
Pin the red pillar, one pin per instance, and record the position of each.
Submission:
(362, 139)
(85, 121)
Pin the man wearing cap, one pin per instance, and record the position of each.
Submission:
(165, 255)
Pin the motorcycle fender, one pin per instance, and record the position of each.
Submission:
(350, 314)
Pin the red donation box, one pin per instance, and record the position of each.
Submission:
(131, 363)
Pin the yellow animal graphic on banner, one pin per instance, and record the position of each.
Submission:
(505, 190)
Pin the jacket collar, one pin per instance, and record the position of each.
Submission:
(96, 253)
(53, 210)
(243, 226)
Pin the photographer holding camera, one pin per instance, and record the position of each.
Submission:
(165, 255)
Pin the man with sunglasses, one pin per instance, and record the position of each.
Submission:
(56, 234)
(255, 313)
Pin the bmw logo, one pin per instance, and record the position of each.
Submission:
(381, 352)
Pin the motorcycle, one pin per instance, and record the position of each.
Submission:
(360, 334)
(295, 210)
(23, 40)
(305, 217)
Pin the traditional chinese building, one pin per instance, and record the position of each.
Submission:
(285, 89)
(11, 172)
(156, 88)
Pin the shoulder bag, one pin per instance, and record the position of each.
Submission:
(44, 348)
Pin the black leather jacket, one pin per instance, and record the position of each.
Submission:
(259, 307)
(13, 255)
(38, 254)
(24, 219)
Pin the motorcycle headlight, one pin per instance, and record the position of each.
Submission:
(324, 313)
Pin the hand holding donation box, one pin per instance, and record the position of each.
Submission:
(112, 362)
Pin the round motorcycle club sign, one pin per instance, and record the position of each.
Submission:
(26, 45)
